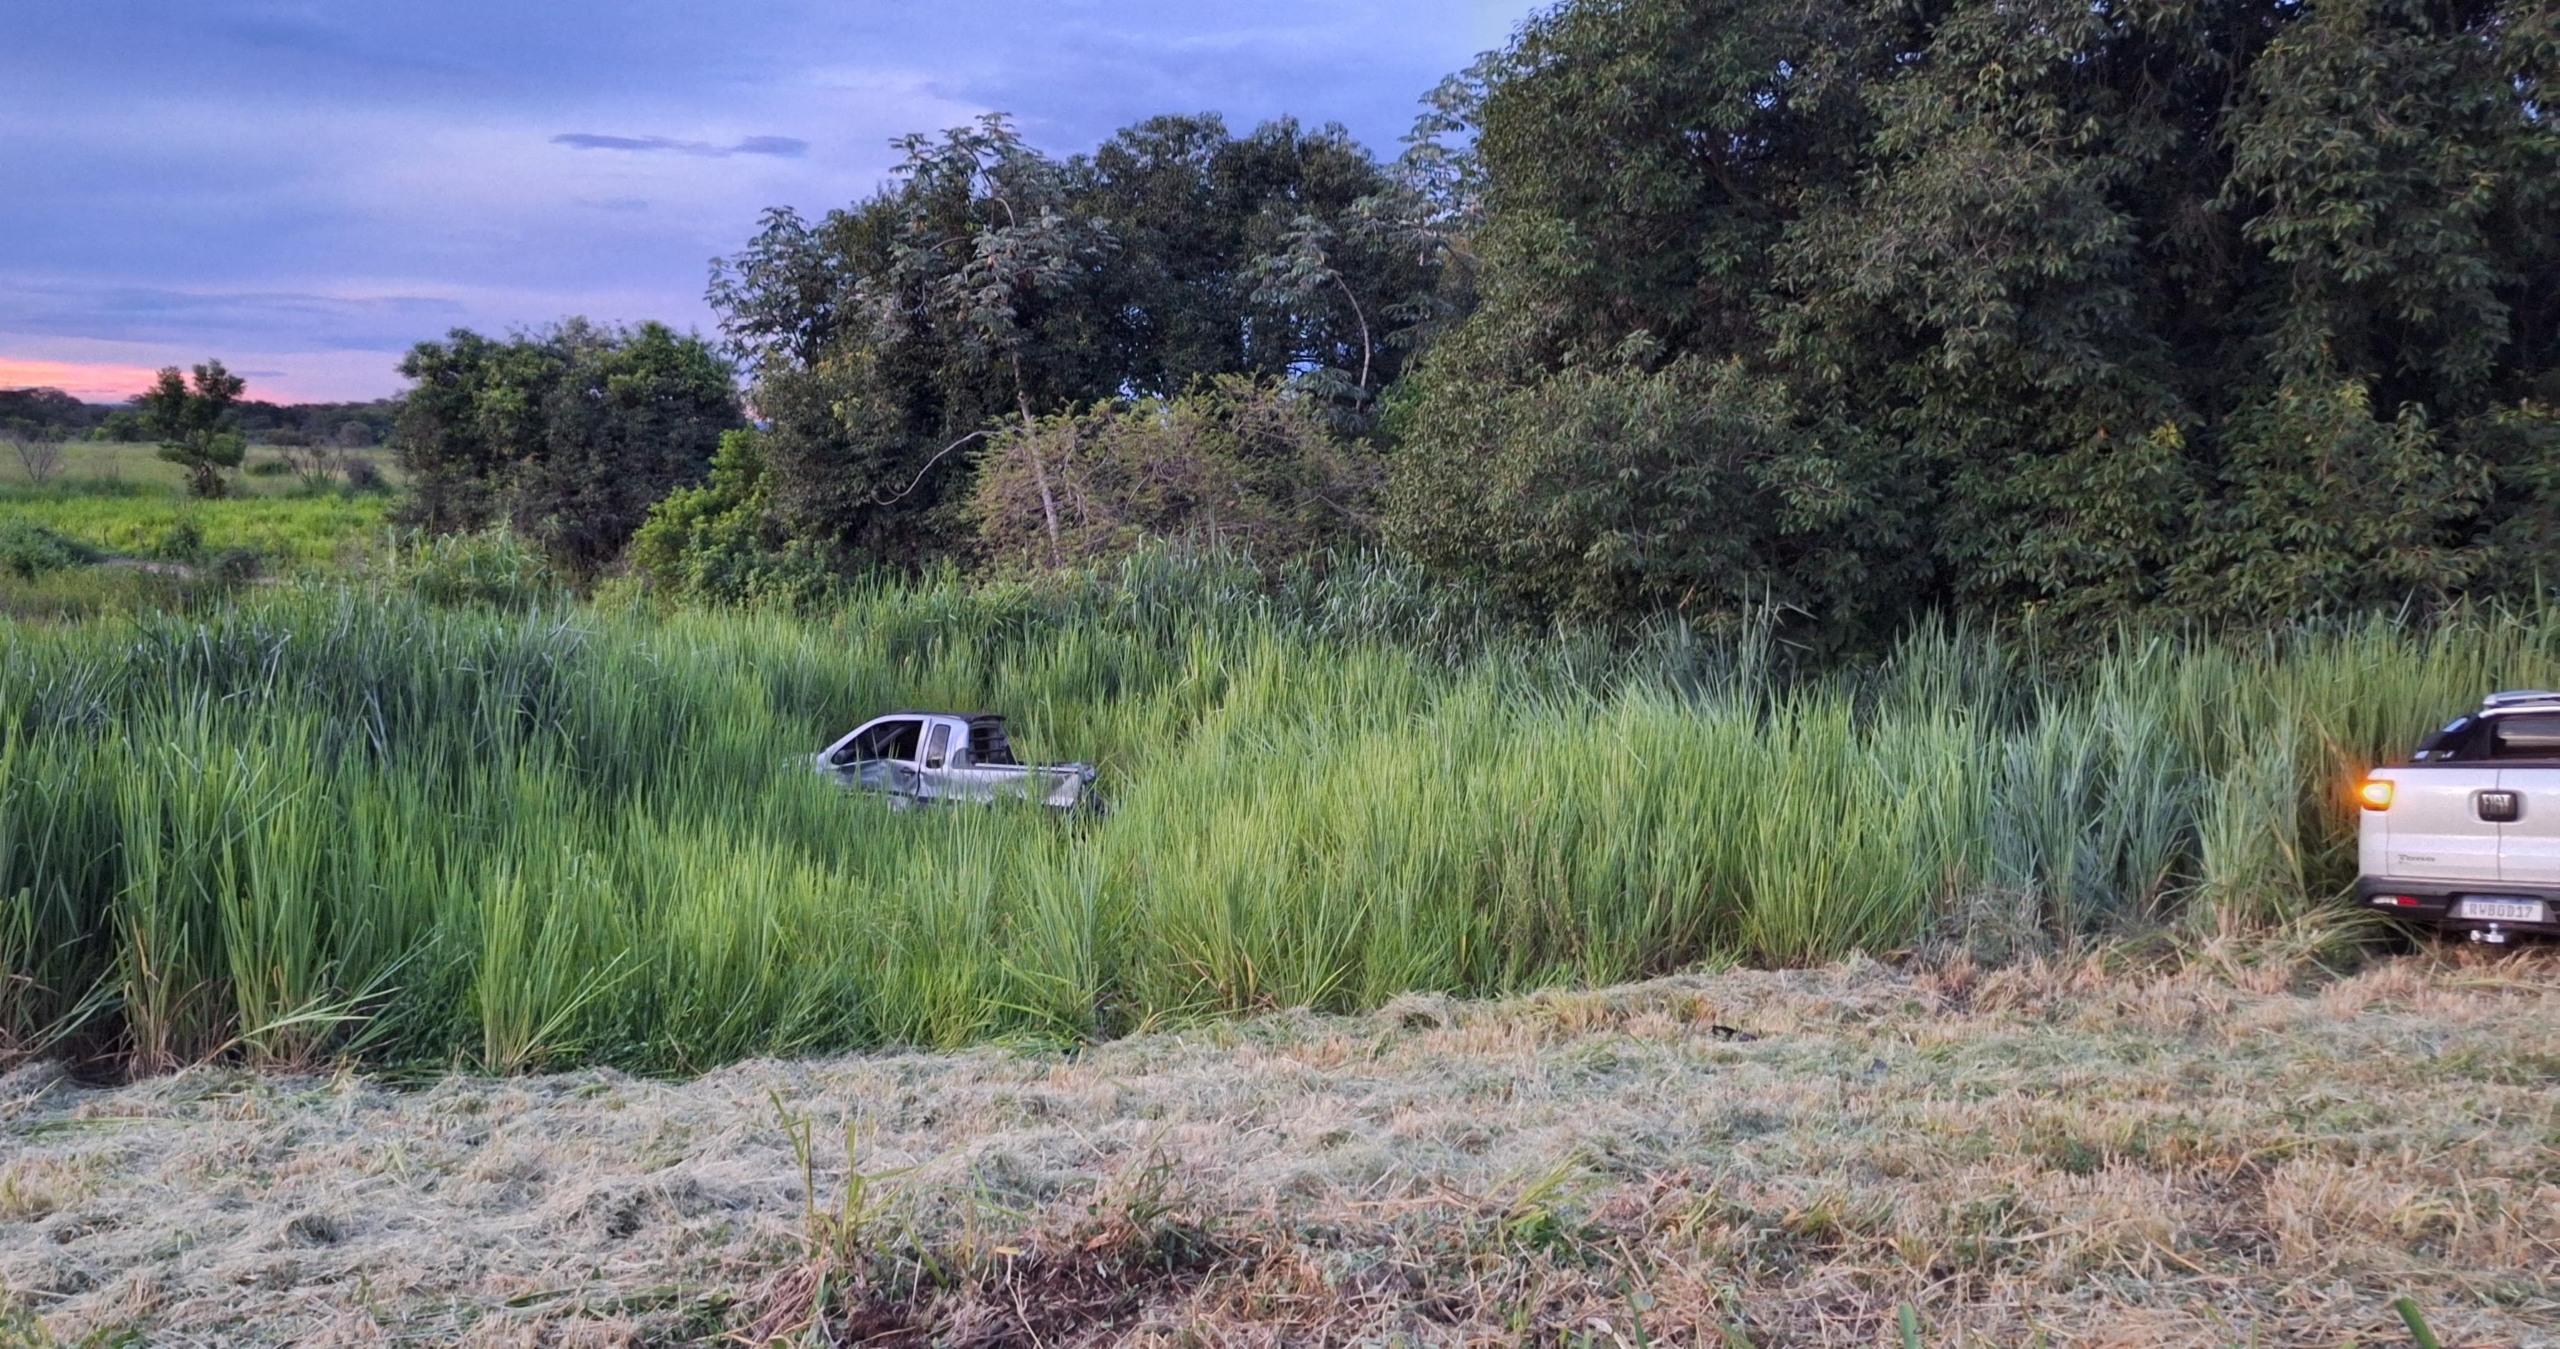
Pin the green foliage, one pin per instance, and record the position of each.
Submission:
(989, 283)
(566, 436)
(342, 821)
(721, 543)
(491, 569)
(194, 424)
(29, 550)
(1233, 464)
(139, 521)
(2094, 313)
(1626, 485)
(2329, 509)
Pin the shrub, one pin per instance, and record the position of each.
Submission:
(1234, 464)
(183, 541)
(28, 551)
(720, 543)
(491, 569)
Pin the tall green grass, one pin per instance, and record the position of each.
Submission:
(322, 821)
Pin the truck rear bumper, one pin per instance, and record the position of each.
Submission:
(2440, 904)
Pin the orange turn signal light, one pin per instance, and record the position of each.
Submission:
(2375, 794)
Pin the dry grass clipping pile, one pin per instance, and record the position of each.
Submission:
(2082, 1153)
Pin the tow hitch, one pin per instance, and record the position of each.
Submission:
(2493, 934)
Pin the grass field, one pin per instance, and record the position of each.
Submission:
(325, 821)
(285, 530)
(121, 466)
(123, 506)
(126, 502)
(2072, 1152)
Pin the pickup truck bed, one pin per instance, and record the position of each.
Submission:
(2466, 834)
(916, 758)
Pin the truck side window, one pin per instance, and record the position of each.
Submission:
(2525, 737)
(937, 745)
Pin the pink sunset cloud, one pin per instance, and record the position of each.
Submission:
(89, 381)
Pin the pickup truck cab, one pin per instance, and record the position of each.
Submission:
(2466, 835)
(915, 758)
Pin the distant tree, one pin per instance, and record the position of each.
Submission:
(47, 408)
(122, 426)
(194, 424)
(39, 451)
(566, 435)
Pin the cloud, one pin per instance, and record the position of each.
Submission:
(168, 314)
(313, 185)
(782, 147)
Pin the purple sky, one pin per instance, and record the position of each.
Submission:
(305, 189)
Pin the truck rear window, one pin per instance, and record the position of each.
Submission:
(2525, 737)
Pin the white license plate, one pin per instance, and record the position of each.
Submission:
(2502, 910)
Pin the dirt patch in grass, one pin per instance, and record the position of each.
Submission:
(2073, 1151)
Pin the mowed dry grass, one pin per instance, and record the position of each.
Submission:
(2074, 1152)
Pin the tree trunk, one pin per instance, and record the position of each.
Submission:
(1039, 462)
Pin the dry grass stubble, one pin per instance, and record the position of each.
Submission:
(2098, 1155)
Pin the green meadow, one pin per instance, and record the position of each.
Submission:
(124, 500)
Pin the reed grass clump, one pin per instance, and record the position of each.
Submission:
(321, 821)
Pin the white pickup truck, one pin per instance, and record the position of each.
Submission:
(2466, 835)
(918, 757)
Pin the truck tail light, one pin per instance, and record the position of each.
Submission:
(2375, 794)
(2399, 901)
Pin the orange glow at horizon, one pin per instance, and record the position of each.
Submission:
(89, 381)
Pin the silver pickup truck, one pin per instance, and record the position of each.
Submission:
(919, 757)
(2466, 834)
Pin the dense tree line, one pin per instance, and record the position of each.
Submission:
(27, 411)
(2226, 308)
(343, 425)
(2209, 310)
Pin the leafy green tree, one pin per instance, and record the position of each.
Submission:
(720, 543)
(193, 422)
(2219, 310)
(989, 286)
(1631, 485)
(566, 435)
